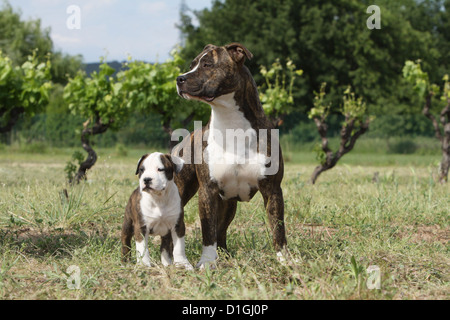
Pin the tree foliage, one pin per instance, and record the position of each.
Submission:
(419, 79)
(276, 93)
(329, 40)
(23, 90)
(151, 88)
(97, 97)
(20, 39)
(107, 101)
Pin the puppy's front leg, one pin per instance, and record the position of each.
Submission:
(166, 249)
(179, 252)
(142, 253)
(179, 245)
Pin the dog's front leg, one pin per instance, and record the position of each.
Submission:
(179, 246)
(142, 253)
(208, 202)
(179, 253)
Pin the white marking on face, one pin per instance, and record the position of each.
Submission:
(154, 170)
(185, 95)
(232, 156)
(197, 66)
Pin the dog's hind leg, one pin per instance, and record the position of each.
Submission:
(127, 234)
(166, 249)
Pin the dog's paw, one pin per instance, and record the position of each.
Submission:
(281, 257)
(208, 258)
(285, 258)
(166, 260)
(202, 265)
(184, 264)
(145, 263)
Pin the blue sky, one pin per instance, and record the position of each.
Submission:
(144, 29)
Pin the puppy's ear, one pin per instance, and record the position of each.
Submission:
(178, 164)
(239, 53)
(139, 163)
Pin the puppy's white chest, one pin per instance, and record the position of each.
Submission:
(232, 152)
(160, 217)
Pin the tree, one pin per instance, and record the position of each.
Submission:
(276, 94)
(151, 88)
(329, 40)
(20, 39)
(421, 83)
(356, 123)
(107, 102)
(23, 90)
(98, 99)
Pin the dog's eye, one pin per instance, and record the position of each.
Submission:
(207, 65)
(141, 170)
(161, 169)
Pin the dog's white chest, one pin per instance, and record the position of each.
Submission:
(232, 152)
(160, 217)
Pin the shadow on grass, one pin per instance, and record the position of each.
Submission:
(55, 244)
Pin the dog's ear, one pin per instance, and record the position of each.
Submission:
(177, 163)
(239, 53)
(140, 162)
(209, 47)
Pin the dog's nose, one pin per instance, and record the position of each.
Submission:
(181, 79)
(148, 180)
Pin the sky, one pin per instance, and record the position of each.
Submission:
(142, 29)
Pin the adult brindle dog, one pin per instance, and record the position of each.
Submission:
(219, 78)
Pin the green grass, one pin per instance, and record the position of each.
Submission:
(335, 229)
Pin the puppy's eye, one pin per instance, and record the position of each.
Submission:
(207, 65)
(141, 170)
(161, 169)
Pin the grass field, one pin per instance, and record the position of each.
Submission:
(335, 229)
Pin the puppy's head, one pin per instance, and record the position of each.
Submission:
(156, 170)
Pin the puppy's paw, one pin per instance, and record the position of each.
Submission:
(145, 263)
(184, 264)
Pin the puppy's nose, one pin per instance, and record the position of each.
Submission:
(148, 180)
(181, 79)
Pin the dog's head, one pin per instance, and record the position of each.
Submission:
(215, 72)
(156, 170)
